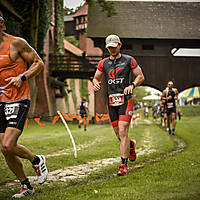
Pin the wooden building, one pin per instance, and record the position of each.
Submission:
(149, 31)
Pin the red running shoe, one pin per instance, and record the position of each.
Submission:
(123, 170)
(24, 191)
(132, 154)
(41, 170)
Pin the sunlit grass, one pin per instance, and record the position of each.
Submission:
(176, 177)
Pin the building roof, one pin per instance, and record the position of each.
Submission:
(72, 49)
(68, 18)
(82, 11)
(147, 19)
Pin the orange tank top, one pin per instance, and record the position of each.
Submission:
(10, 68)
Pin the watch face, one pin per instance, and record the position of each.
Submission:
(1, 90)
(23, 78)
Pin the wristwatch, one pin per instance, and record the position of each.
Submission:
(23, 77)
(134, 85)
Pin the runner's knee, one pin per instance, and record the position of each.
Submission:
(123, 132)
(7, 149)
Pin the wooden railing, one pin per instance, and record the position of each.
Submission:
(71, 63)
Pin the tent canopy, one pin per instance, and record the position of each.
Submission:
(191, 93)
(152, 97)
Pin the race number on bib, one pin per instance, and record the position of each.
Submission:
(170, 105)
(116, 99)
(11, 110)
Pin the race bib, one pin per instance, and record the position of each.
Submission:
(11, 110)
(170, 105)
(116, 99)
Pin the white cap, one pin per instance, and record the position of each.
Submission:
(112, 41)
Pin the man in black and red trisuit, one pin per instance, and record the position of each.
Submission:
(117, 68)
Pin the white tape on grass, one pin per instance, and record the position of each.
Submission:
(70, 134)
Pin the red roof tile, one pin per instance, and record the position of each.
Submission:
(82, 11)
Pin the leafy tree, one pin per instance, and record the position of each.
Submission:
(72, 40)
(139, 93)
(107, 6)
(71, 11)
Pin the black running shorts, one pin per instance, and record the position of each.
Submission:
(121, 113)
(171, 110)
(13, 115)
(83, 115)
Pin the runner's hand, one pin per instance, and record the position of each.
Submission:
(13, 82)
(128, 90)
(169, 97)
(97, 86)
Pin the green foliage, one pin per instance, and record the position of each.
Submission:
(59, 27)
(106, 6)
(139, 93)
(72, 40)
(44, 21)
(154, 172)
(23, 29)
(189, 110)
(71, 11)
(72, 87)
(83, 83)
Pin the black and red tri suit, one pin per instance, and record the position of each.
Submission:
(117, 77)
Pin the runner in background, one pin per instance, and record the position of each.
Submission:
(83, 109)
(170, 95)
(179, 114)
(146, 111)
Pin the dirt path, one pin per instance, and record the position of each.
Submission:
(81, 171)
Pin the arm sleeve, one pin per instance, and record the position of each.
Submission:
(100, 66)
(133, 64)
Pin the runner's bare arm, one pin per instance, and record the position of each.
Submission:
(176, 95)
(86, 106)
(20, 49)
(163, 96)
(139, 78)
(97, 80)
(30, 56)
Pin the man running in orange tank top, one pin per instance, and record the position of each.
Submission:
(15, 52)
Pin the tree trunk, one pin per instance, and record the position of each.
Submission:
(34, 42)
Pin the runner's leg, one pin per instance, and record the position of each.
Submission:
(173, 120)
(124, 139)
(11, 151)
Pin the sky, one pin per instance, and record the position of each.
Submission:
(76, 3)
(73, 3)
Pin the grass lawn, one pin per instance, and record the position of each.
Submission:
(174, 177)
